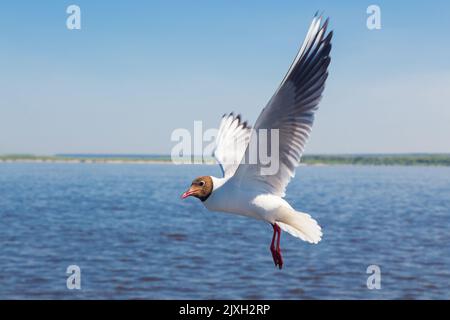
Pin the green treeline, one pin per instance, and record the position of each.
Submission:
(363, 159)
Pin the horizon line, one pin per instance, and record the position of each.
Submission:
(80, 154)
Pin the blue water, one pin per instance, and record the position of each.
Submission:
(133, 238)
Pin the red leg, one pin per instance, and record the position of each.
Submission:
(272, 246)
(278, 249)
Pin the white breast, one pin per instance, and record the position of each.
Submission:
(227, 197)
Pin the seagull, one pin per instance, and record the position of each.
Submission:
(243, 189)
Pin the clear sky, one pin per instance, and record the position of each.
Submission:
(137, 70)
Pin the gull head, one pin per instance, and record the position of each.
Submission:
(200, 188)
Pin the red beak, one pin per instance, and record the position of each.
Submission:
(187, 194)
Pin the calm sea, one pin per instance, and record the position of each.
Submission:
(133, 238)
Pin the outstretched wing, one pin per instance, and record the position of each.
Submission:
(231, 142)
(291, 111)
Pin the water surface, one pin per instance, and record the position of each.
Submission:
(133, 238)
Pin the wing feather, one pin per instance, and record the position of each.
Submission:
(291, 110)
(231, 142)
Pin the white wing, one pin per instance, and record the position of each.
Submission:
(291, 111)
(231, 142)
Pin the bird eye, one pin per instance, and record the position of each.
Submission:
(201, 183)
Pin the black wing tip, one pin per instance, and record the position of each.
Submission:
(237, 117)
(227, 115)
(245, 125)
(325, 24)
(242, 123)
(320, 14)
(320, 17)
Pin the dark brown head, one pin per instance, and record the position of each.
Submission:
(200, 188)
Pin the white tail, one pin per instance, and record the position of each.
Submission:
(301, 225)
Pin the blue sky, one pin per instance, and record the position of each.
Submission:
(137, 70)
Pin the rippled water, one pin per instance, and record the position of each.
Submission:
(127, 229)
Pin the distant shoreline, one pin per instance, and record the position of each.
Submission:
(364, 159)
